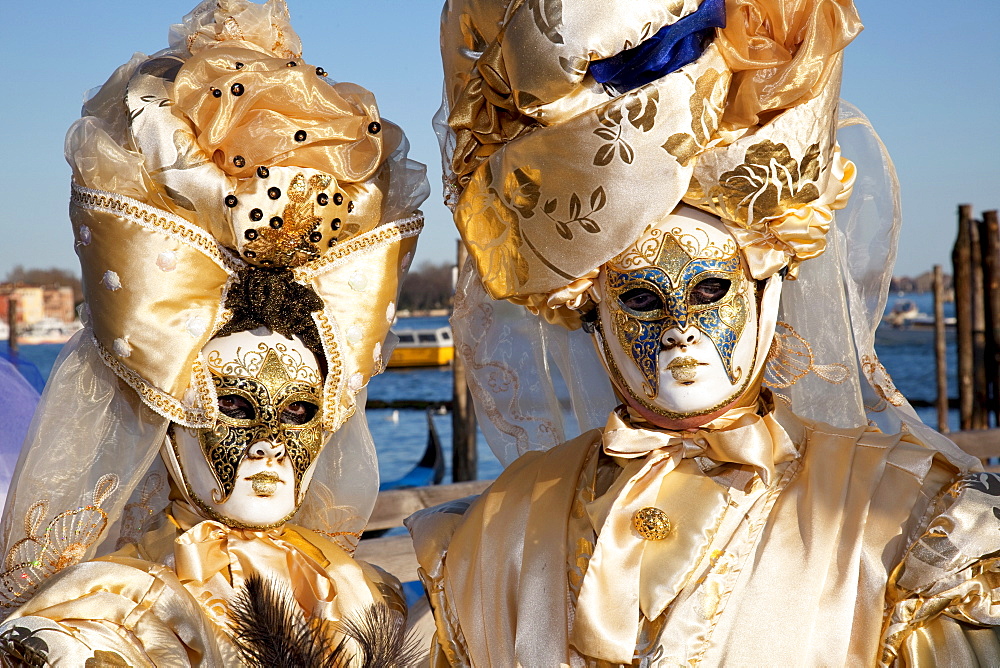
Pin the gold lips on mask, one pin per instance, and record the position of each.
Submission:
(684, 368)
(264, 483)
(688, 284)
(270, 402)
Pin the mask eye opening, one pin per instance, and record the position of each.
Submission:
(236, 407)
(710, 290)
(298, 412)
(641, 300)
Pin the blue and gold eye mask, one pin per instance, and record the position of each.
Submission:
(687, 285)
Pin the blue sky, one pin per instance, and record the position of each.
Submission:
(926, 74)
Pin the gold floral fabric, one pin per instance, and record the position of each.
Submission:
(554, 177)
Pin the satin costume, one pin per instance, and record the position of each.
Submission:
(816, 523)
(164, 601)
(843, 547)
(109, 556)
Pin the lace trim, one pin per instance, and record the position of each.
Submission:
(157, 220)
(163, 403)
(381, 236)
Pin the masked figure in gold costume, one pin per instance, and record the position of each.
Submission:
(201, 453)
(667, 206)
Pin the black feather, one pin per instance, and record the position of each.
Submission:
(22, 648)
(380, 633)
(269, 629)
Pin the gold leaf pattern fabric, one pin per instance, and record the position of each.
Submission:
(520, 101)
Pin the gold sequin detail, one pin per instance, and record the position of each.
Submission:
(289, 245)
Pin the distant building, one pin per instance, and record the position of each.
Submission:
(59, 303)
(37, 303)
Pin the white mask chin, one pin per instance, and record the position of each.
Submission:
(252, 470)
(680, 327)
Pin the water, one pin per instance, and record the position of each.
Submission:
(400, 436)
(908, 355)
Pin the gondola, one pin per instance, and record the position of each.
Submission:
(429, 470)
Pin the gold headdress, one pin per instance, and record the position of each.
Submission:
(249, 190)
(219, 185)
(570, 127)
(552, 177)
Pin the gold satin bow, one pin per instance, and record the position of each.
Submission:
(212, 561)
(628, 574)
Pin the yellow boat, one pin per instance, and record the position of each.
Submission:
(422, 347)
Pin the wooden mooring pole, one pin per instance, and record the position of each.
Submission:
(989, 238)
(980, 393)
(940, 351)
(464, 460)
(961, 260)
(12, 344)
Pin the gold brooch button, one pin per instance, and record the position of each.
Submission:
(651, 523)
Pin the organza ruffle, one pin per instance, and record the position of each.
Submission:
(781, 53)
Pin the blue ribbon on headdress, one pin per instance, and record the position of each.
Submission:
(670, 49)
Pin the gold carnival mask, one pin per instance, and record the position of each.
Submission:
(675, 310)
(268, 434)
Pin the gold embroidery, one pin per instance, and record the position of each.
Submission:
(289, 245)
(380, 236)
(581, 535)
(136, 515)
(342, 524)
(881, 381)
(334, 414)
(791, 359)
(878, 407)
(63, 543)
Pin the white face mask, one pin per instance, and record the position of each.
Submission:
(253, 468)
(679, 320)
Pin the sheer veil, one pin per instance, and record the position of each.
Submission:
(822, 363)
